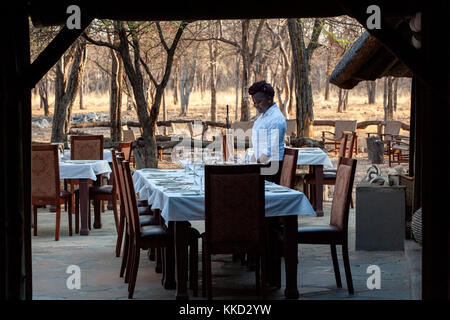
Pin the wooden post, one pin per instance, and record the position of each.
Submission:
(15, 162)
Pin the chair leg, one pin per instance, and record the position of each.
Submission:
(208, 276)
(152, 255)
(135, 267)
(35, 220)
(69, 215)
(120, 231)
(58, 221)
(158, 266)
(125, 255)
(203, 272)
(263, 275)
(116, 215)
(77, 214)
(257, 274)
(129, 263)
(348, 274)
(193, 267)
(337, 273)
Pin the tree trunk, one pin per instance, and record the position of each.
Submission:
(371, 91)
(246, 69)
(213, 76)
(175, 86)
(115, 102)
(387, 99)
(43, 94)
(236, 85)
(301, 59)
(394, 99)
(327, 83)
(186, 83)
(345, 100)
(66, 87)
(339, 108)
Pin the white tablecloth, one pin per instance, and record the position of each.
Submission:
(313, 156)
(106, 155)
(83, 169)
(175, 206)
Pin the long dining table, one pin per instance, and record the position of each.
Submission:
(180, 200)
(84, 171)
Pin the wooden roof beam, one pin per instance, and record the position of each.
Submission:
(53, 52)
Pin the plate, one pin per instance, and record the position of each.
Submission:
(279, 191)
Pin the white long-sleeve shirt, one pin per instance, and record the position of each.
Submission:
(268, 134)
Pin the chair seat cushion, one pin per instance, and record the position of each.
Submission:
(65, 194)
(143, 211)
(142, 203)
(148, 221)
(107, 189)
(155, 233)
(319, 234)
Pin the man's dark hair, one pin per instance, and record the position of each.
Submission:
(262, 86)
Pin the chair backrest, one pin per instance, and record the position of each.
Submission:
(128, 135)
(234, 208)
(343, 145)
(351, 136)
(287, 177)
(86, 147)
(343, 125)
(133, 212)
(125, 205)
(125, 147)
(291, 127)
(342, 194)
(392, 127)
(45, 183)
(115, 170)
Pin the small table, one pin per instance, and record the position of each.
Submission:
(316, 158)
(177, 208)
(83, 170)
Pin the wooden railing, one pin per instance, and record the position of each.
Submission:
(329, 123)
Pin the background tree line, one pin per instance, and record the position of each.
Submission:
(145, 61)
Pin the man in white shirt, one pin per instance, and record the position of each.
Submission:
(268, 130)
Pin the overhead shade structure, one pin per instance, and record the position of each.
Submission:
(368, 60)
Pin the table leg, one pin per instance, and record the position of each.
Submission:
(318, 172)
(291, 256)
(97, 211)
(84, 203)
(181, 258)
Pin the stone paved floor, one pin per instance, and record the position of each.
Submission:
(94, 254)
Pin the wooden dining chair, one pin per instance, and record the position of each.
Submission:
(243, 217)
(336, 232)
(127, 149)
(145, 213)
(88, 147)
(46, 185)
(329, 175)
(146, 236)
(335, 139)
